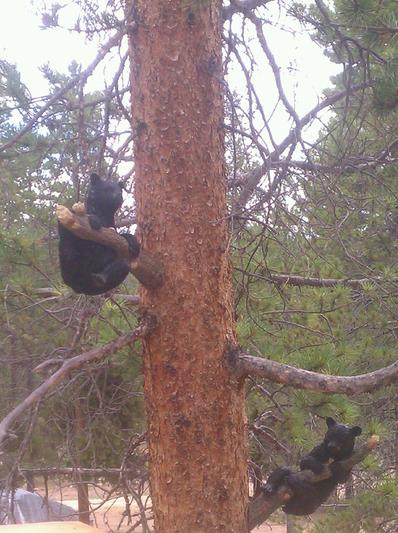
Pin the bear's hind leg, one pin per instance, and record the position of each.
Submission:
(276, 479)
(112, 276)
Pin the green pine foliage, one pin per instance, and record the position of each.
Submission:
(41, 318)
(339, 224)
(369, 512)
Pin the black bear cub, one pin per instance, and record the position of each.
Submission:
(337, 445)
(87, 266)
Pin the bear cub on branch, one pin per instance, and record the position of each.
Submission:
(337, 445)
(87, 266)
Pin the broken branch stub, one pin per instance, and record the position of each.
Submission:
(146, 268)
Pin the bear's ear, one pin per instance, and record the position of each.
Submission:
(330, 422)
(356, 430)
(94, 178)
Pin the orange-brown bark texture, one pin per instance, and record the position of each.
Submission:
(195, 407)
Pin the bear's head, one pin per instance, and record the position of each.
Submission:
(103, 197)
(340, 439)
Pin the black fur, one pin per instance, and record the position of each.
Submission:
(337, 445)
(87, 266)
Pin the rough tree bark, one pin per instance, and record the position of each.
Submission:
(195, 407)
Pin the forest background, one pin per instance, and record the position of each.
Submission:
(312, 195)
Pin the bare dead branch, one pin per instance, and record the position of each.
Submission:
(130, 299)
(275, 69)
(70, 471)
(113, 41)
(383, 158)
(69, 366)
(245, 365)
(252, 178)
(49, 292)
(48, 366)
(301, 281)
(146, 268)
(241, 6)
(263, 505)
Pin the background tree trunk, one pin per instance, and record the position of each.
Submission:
(195, 408)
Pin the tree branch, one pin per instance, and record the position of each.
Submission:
(113, 41)
(253, 177)
(69, 471)
(69, 366)
(241, 6)
(263, 505)
(146, 267)
(245, 364)
(301, 281)
(50, 293)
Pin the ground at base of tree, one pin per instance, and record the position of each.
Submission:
(51, 527)
(108, 516)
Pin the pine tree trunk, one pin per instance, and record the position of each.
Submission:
(195, 408)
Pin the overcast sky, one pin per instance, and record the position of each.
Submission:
(304, 68)
(23, 42)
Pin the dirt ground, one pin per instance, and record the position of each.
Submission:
(108, 515)
(270, 528)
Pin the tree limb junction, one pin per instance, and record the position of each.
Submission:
(245, 364)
